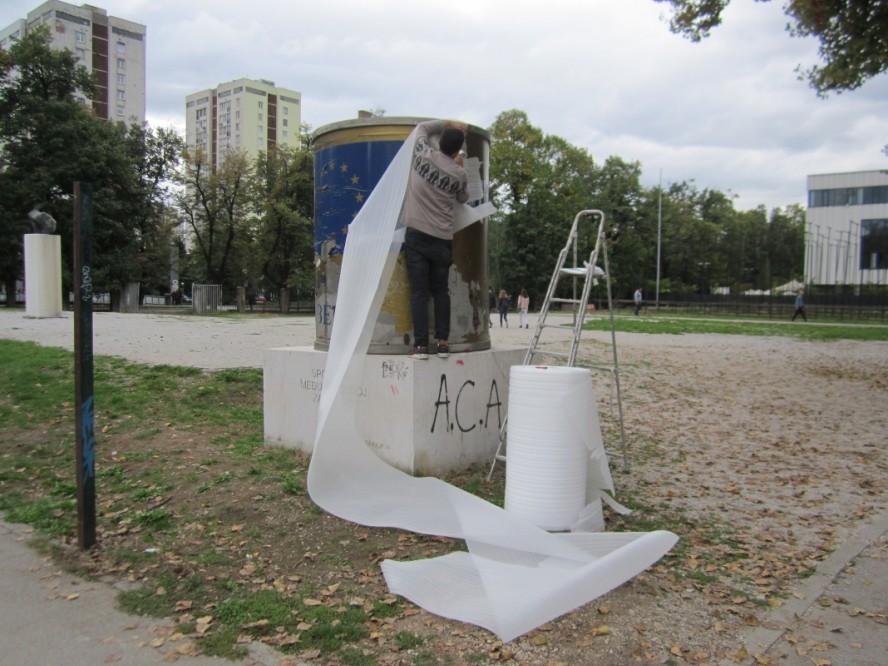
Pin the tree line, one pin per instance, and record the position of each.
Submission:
(157, 206)
(249, 222)
(539, 183)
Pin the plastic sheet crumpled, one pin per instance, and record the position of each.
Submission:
(514, 576)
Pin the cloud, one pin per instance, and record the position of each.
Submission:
(728, 112)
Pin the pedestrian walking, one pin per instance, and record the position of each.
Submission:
(503, 307)
(636, 297)
(523, 307)
(800, 305)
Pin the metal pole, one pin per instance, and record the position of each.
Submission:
(659, 235)
(84, 408)
(828, 252)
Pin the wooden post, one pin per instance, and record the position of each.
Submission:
(84, 407)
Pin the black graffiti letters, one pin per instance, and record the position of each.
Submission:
(442, 388)
(468, 382)
(463, 414)
(491, 403)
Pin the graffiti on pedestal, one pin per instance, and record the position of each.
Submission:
(460, 407)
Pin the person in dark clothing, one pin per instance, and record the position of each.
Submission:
(799, 306)
(437, 183)
(503, 306)
(491, 305)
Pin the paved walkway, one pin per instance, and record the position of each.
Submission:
(48, 617)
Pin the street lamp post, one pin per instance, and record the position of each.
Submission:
(659, 235)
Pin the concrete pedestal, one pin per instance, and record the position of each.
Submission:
(424, 417)
(129, 297)
(43, 275)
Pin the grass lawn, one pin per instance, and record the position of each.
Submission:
(216, 529)
(677, 326)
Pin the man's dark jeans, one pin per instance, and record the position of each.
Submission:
(428, 268)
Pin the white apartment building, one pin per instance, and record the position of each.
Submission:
(243, 115)
(846, 234)
(111, 48)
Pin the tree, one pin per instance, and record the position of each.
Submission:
(39, 117)
(852, 34)
(50, 140)
(539, 182)
(153, 156)
(215, 206)
(282, 193)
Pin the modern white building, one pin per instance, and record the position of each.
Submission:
(112, 48)
(846, 234)
(244, 115)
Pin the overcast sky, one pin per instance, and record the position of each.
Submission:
(607, 75)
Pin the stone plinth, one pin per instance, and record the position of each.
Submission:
(424, 417)
(43, 275)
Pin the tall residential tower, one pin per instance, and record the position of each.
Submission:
(111, 48)
(243, 115)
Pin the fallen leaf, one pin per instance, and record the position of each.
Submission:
(538, 640)
(72, 596)
(312, 602)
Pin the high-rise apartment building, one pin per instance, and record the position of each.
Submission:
(111, 48)
(243, 115)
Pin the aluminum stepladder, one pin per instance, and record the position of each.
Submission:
(589, 272)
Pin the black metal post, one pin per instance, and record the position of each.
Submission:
(84, 407)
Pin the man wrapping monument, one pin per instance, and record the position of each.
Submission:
(437, 181)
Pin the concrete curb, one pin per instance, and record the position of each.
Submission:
(778, 622)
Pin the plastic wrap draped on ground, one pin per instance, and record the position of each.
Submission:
(514, 576)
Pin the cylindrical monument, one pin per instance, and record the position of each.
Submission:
(43, 275)
(349, 159)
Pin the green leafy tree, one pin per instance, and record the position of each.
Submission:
(154, 156)
(51, 140)
(215, 205)
(852, 35)
(283, 199)
(539, 182)
(39, 120)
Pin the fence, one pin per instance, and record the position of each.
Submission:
(823, 304)
(206, 298)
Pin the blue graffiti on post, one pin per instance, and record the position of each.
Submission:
(88, 433)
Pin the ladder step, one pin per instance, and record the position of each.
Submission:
(579, 272)
(551, 353)
(565, 300)
(501, 457)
